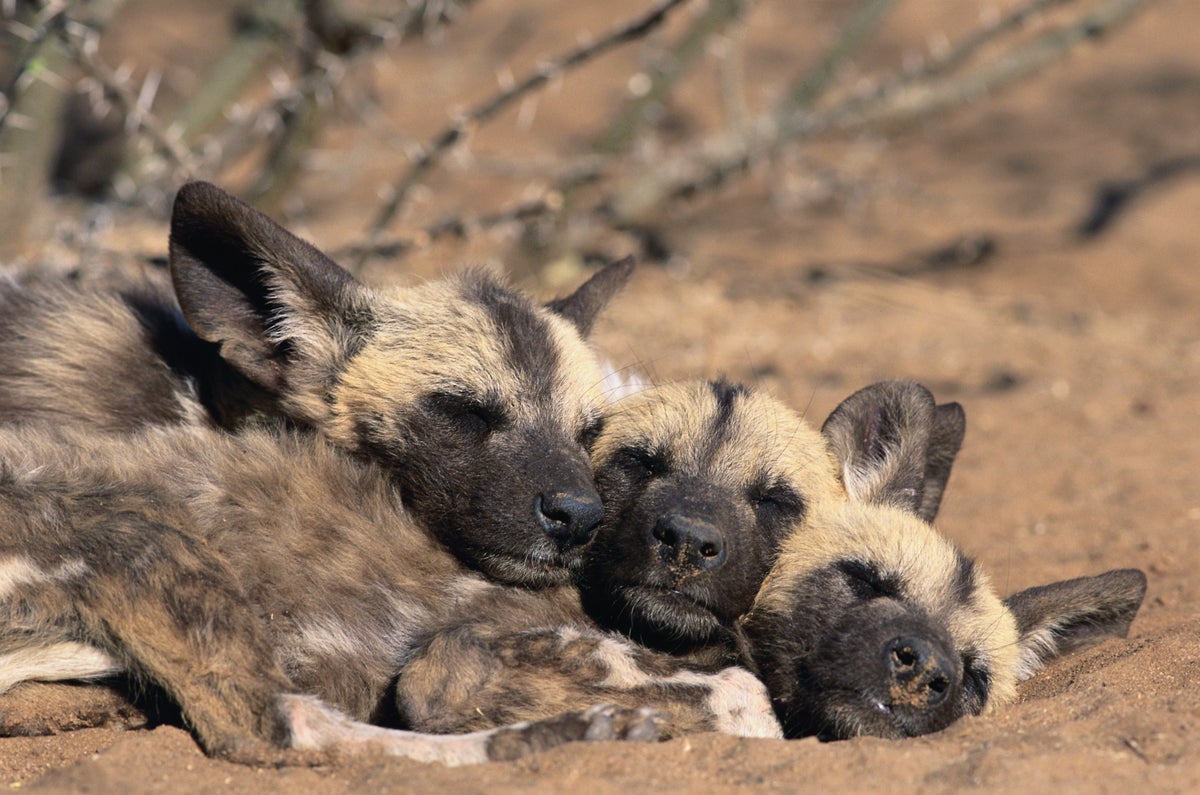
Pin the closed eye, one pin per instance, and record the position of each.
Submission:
(866, 582)
(977, 682)
(469, 415)
(776, 504)
(590, 433)
(641, 463)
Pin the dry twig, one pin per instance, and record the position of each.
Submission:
(918, 94)
(80, 43)
(445, 140)
(53, 17)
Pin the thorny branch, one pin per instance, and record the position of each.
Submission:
(445, 140)
(931, 87)
(916, 94)
(953, 76)
(53, 18)
(82, 48)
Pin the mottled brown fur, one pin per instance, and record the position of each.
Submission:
(235, 573)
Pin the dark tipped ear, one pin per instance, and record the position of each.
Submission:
(896, 445)
(583, 306)
(1057, 619)
(945, 440)
(260, 292)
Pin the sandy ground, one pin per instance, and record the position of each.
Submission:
(1077, 358)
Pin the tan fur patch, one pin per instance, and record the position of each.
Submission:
(433, 338)
(764, 437)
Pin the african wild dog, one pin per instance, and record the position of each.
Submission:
(873, 623)
(254, 578)
(869, 622)
(477, 400)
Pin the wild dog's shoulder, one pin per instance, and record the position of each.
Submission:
(71, 351)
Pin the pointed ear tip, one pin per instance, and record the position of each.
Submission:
(190, 191)
(621, 269)
(1135, 579)
(953, 407)
(197, 201)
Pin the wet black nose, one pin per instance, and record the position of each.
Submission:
(921, 675)
(570, 518)
(687, 541)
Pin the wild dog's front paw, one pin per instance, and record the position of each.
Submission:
(603, 722)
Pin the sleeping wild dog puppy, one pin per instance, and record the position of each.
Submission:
(869, 622)
(477, 400)
(254, 578)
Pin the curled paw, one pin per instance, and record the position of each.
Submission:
(602, 722)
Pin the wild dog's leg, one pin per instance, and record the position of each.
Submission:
(471, 677)
(105, 591)
(315, 726)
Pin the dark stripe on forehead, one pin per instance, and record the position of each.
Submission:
(526, 336)
(964, 585)
(722, 422)
(725, 394)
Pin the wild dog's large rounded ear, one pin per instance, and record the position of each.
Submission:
(1053, 620)
(896, 445)
(584, 305)
(263, 294)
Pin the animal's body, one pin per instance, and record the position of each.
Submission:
(476, 399)
(236, 573)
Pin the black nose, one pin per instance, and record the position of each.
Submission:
(687, 541)
(920, 673)
(569, 517)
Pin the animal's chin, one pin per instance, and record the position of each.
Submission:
(536, 570)
(868, 716)
(670, 612)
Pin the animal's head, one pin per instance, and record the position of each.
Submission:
(478, 399)
(870, 622)
(700, 481)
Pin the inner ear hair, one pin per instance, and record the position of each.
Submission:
(894, 443)
(243, 281)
